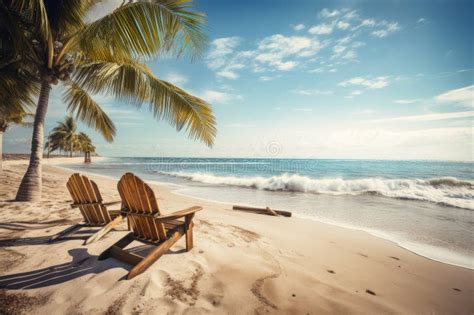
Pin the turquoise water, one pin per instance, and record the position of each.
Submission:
(425, 206)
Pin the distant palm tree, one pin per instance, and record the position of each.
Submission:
(84, 145)
(63, 136)
(54, 44)
(11, 116)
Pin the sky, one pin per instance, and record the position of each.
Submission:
(312, 79)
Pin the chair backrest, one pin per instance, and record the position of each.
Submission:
(86, 196)
(139, 202)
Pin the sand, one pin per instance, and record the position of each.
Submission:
(241, 263)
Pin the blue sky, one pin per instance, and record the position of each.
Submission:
(313, 79)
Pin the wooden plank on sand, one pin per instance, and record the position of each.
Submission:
(266, 211)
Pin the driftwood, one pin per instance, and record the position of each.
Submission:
(266, 210)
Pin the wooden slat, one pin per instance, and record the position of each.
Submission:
(125, 256)
(106, 229)
(189, 231)
(94, 208)
(139, 198)
(154, 255)
(103, 209)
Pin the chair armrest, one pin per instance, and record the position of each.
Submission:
(178, 214)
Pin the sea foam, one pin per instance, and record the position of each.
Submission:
(445, 190)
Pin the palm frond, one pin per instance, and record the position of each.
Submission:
(36, 10)
(144, 29)
(134, 83)
(66, 16)
(17, 88)
(88, 111)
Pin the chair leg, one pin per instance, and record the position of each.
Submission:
(154, 255)
(67, 231)
(106, 229)
(188, 222)
(121, 243)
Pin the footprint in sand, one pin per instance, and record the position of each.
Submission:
(257, 287)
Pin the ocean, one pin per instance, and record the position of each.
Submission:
(424, 206)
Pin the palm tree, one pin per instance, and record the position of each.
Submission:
(84, 144)
(9, 116)
(63, 136)
(55, 44)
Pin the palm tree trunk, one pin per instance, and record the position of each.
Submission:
(31, 184)
(70, 153)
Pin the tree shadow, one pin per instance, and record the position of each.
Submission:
(31, 225)
(76, 233)
(82, 264)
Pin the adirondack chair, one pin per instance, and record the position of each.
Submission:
(86, 196)
(148, 225)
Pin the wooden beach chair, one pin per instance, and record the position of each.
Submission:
(86, 196)
(148, 225)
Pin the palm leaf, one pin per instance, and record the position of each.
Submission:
(134, 83)
(144, 29)
(38, 14)
(88, 111)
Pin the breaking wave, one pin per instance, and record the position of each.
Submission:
(445, 190)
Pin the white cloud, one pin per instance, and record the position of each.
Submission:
(406, 101)
(267, 78)
(325, 13)
(222, 97)
(376, 83)
(338, 49)
(176, 78)
(228, 74)
(356, 93)
(351, 15)
(421, 20)
(380, 33)
(367, 23)
(276, 49)
(429, 117)
(351, 54)
(463, 96)
(279, 52)
(298, 27)
(389, 29)
(310, 92)
(342, 25)
(320, 29)
(220, 48)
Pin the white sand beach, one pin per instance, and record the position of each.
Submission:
(241, 263)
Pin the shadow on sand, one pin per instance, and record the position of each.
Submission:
(82, 264)
(81, 234)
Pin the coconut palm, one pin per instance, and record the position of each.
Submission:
(84, 145)
(55, 43)
(63, 136)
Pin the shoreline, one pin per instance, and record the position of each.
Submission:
(421, 249)
(241, 263)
